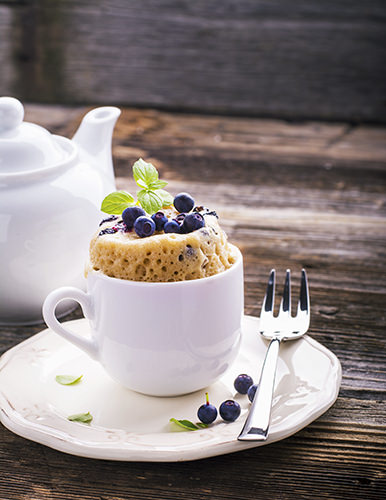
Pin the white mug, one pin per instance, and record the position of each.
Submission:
(160, 339)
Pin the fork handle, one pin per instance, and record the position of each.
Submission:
(257, 423)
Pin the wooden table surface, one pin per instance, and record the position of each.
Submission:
(289, 195)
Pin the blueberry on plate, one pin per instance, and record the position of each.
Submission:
(230, 410)
(131, 214)
(192, 222)
(172, 227)
(144, 226)
(242, 383)
(207, 413)
(251, 392)
(183, 202)
(160, 220)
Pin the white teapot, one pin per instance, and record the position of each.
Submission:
(51, 189)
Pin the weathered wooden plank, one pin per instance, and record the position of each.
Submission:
(7, 72)
(367, 143)
(230, 137)
(307, 60)
(283, 470)
(283, 210)
(62, 120)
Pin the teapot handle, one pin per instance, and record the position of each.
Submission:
(90, 346)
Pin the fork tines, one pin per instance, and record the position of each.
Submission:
(285, 305)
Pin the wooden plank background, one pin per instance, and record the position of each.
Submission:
(289, 195)
(277, 58)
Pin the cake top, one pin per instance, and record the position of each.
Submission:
(155, 209)
(158, 238)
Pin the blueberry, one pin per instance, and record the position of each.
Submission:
(207, 413)
(190, 251)
(172, 227)
(251, 392)
(108, 230)
(180, 218)
(160, 220)
(144, 226)
(108, 219)
(242, 383)
(131, 214)
(180, 221)
(192, 222)
(183, 202)
(230, 410)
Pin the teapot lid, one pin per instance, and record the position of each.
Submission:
(24, 146)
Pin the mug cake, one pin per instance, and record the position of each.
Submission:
(182, 241)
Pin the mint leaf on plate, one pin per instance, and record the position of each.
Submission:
(115, 203)
(187, 425)
(144, 173)
(84, 418)
(68, 379)
(150, 201)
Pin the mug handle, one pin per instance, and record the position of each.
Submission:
(90, 346)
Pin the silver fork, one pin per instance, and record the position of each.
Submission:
(282, 327)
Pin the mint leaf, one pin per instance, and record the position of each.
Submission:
(156, 185)
(84, 418)
(167, 198)
(68, 379)
(141, 184)
(187, 425)
(151, 197)
(149, 201)
(115, 203)
(144, 173)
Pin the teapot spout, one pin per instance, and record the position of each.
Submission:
(94, 139)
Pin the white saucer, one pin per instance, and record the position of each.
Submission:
(133, 427)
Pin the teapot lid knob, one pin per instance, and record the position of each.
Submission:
(11, 113)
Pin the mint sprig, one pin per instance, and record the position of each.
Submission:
(149, 201)
(187, 425)
(68, 379)
(167, 198)
(155, 185)
(115, 203)
(144, 173)
(152, 197)
(84, 418)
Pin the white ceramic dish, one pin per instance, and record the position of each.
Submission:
(188, 348)
(133, 427)
(49, 186)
